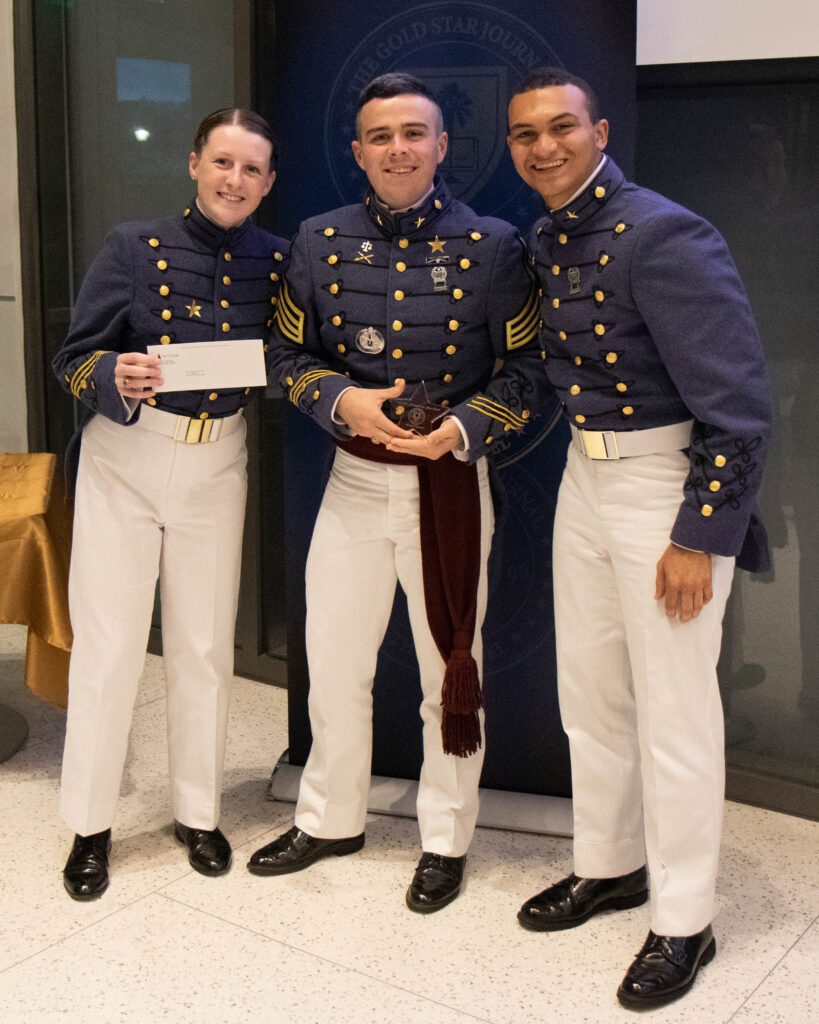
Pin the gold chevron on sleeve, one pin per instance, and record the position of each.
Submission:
(522, 328)
(289, 318)
(305, 381)
(496, 412)
(83, 372)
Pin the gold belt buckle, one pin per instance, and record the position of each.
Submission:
(191, 431)
(600, 444)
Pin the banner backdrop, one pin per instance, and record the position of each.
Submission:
(315, 59)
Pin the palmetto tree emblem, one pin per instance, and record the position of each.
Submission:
(457, 107)
(455, 104)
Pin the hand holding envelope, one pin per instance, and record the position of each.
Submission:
(136, 376)
(237, 363)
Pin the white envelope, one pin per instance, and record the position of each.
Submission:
(238, 363)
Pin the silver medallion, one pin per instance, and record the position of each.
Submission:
(573, 275)
(438, 279)
(370, 340)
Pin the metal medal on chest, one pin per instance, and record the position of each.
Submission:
(438, 279)
(573, 274)
(370, 340)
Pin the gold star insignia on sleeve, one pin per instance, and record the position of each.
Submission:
(194, 310)
(437, 245)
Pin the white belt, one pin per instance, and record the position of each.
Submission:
(187, 429)
(624, 444)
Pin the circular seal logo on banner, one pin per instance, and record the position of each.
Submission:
(470, 54)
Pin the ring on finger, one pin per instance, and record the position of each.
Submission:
(126, 382)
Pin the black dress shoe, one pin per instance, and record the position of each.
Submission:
(574, 900)
(209, 852)
(436, 882)
(85, 875)
(296, 850)
(665, 969)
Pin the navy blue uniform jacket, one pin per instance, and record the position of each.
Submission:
(176, 280)
(436, 294)
(646, 323)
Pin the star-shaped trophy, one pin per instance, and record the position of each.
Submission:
(416, 413)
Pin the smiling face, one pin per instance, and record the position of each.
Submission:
(553, 142)
(232, 174)
(399, 147)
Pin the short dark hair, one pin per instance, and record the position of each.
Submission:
(247, 119)
(396, 83)
(543, 78)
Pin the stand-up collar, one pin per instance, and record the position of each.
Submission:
(593, 198)
(407, 222)
(211, 234)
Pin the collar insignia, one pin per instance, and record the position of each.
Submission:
(365, 253)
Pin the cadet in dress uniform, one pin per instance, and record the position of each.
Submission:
(161, 492)
(408, 298)
(651, 345)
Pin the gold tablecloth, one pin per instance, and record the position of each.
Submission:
(35, 544)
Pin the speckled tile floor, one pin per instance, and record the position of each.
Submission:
(336, 943)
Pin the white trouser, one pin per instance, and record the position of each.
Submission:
(366, 538)
(638, 691)
(147, 505)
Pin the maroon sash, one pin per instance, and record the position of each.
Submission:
(450, 524)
